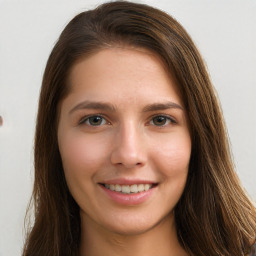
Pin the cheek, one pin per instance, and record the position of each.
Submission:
(172, 163)
(172, 155)
(82, 155)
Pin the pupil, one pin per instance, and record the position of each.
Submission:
(95, 120)
(159, 120)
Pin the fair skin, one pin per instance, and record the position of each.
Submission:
(123, 127)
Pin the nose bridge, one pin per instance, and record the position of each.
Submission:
(129, 145)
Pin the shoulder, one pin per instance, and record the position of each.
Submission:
(253, 251)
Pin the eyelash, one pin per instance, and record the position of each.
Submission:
(166, 117)
(87, 118)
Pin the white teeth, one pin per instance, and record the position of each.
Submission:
(140, 187)
(146, 187)
(126, 189)
(134, 188)
(118, 188)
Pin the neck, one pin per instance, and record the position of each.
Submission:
(160, 240)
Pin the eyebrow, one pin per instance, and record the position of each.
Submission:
(161, 106)
(111, 108)
(93, 105)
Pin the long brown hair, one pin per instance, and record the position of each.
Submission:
(214, 215)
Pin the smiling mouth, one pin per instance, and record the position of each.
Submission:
(129, 189)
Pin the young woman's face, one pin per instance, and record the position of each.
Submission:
(124, 140)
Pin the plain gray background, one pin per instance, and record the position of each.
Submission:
(223, 30)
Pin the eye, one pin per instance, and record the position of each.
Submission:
(94, 121)
(161, 120)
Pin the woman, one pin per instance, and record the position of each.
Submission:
(131, 151)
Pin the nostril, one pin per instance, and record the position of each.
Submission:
(130, 165)
(128, 155)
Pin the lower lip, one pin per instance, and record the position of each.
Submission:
(128, 199)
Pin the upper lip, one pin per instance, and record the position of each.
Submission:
(122, 181)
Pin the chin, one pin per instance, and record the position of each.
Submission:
(133, 225)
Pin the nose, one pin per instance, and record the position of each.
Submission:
(129, 147)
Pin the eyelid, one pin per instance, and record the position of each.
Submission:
(170, 118)
(85, 118)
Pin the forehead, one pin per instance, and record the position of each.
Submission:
(122, 73)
